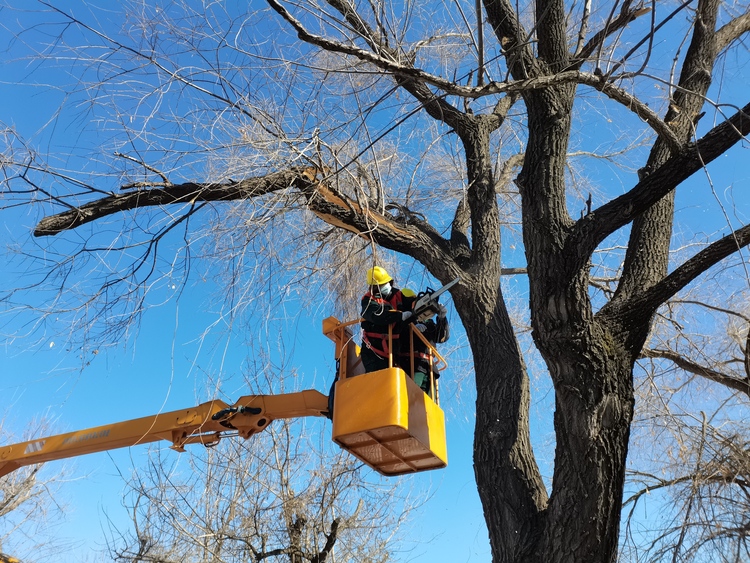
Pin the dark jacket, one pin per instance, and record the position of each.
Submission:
(378, 314)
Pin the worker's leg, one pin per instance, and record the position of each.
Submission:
(421, 376)
(404, 362)
(372, 361)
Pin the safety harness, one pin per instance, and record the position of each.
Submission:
(377, 341)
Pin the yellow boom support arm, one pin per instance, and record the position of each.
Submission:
(204, 424)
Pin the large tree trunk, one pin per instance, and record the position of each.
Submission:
(508, 479)
(594, 408)
(589, 366)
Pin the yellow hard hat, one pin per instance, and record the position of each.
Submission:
(408, 293)
(377, 276)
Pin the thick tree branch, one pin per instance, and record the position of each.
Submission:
(583, 27)
(592, 229)
(607, 87)
(507, 170)
(692, 268)
(322, 556)
(375, 40)
(732, 31)
(480, 195)
(502, 16)
(505, 104)
(741, 385)
(186, 193)
(407, 234)
(460, 224)
(647, 257)
(632, 103)
(434, 105)
(551, 32)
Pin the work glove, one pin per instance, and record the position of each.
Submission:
(421, 327)
(405, 315)
(442, 311)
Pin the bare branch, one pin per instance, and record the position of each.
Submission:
(694, 267)
(592, 229)
(726, 311)
(741, 385)
(733, 31)
(385, 62)
(165, 180)
(649, 37)
(627, 15)
(173, 194)
(633, 104)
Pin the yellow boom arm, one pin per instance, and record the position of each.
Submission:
(204, 424)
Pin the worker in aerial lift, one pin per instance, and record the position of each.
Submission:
(382, 307)
(435, 332)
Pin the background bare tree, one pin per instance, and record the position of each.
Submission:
(28, 507)
(287, 494)
(365, 122)
(696, 463)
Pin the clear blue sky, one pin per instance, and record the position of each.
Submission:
(162, 364)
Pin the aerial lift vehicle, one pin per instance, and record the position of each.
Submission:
(383, 418)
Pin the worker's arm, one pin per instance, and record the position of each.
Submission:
(442, 330)
(437, 332)
(379, 313)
